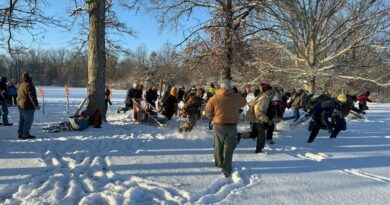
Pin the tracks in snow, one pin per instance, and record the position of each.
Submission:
(322, 158)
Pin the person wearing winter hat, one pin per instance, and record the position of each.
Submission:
(27, 104)
(223, 108)
(274, 113)
(169, 107)
(258, 116)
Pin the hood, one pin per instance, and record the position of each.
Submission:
(225, 91)
(26, 78)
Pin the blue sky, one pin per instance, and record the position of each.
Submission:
(145, 26)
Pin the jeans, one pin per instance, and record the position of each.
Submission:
(26, 118)
(4, 112)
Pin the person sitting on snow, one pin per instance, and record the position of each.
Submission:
(77, 123)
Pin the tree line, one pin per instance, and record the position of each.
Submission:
(324, 44)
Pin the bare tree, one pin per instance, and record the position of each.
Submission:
(321, 37)
(227, 15)
(21, 16)
(102, 20)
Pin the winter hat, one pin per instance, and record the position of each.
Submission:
(26, 77)
(173, 91)
(342, 98)
(226, 84)
(265, 87)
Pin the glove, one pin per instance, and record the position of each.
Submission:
(37, 107)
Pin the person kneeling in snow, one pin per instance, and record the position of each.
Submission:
(192, 109)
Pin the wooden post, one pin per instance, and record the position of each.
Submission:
(43, 94)
(67, 98)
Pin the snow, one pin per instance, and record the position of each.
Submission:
(130, 163)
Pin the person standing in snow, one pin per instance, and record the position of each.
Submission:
(169, 107)
(151, 96)
(274, 113)
(107, 100)
(181, 93)
(27, 104)
(4, 101)
(257, 115)
(223, 108)
(12, 93)
(131, 93)
(211, 92)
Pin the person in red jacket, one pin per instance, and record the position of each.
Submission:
(363, 99)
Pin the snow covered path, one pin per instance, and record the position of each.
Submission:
(129, 163)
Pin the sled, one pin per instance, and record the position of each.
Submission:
(299, 121)
(355, 116)
(80, 106)
(147, 113)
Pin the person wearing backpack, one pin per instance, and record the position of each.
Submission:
(274, 113)
(257, 115)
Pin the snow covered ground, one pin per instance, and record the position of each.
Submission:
(130, 163)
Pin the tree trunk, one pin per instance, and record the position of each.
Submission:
(227, 69)
(311, 84)
(96, 56)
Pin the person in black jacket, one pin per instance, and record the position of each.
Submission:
(107, 100)
(151, 96)
(3, 101)
(181, 93)
(169, 106)
(131, 93)
(274, 113)
(329, 108)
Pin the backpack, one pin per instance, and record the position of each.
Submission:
(250, 113)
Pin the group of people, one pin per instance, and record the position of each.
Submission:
(27, 104)
(223, 106)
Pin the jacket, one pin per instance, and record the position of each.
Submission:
(257, 112)
(27, 95)
(224, 107)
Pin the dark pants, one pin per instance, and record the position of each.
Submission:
(4, 111)
(260, 128)
(316, 129)
(26, 118)
(270, 130)
(224, 144)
